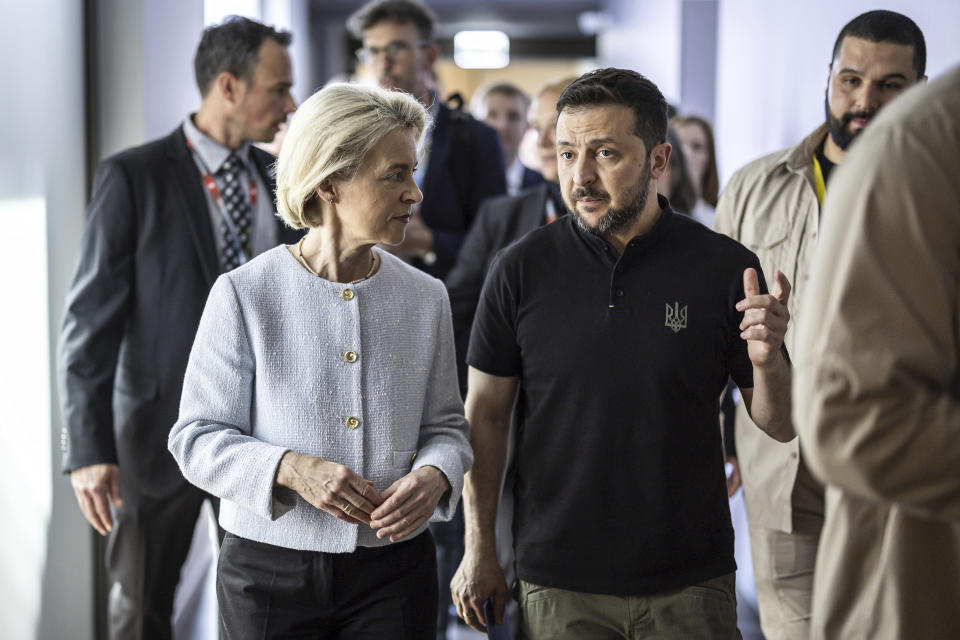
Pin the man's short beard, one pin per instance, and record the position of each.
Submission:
(839, 128)
(615, 220)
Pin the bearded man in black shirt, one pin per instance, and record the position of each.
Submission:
(615, 330)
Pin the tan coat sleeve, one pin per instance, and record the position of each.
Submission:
(877, 399)
(729, 212)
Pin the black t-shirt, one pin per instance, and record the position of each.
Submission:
(620, 481)
(826, 165)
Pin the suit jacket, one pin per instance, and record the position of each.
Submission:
(147, 261)
(500, 221)
(531, 178)
(465, 168)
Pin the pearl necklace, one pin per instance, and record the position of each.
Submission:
(303, 261)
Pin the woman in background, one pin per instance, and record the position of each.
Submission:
(696, 136)
(320, 401)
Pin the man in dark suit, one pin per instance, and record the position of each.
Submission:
(164, 220)
(504, 107)
(462, 162)
(502, 220)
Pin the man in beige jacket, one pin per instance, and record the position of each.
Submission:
(773, 207)
(877, 386)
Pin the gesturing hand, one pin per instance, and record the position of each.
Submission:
(408, 503)
(97, 487)
(329, 486)
(765, 317)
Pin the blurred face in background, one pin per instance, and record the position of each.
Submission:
(506, 115)
(543, 120)
(398, 57)
(263, 102)
(696, 152)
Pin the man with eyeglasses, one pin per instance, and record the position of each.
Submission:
(462, 162)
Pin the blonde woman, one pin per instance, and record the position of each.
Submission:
(320, 402)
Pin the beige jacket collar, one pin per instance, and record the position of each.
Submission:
(797, 158)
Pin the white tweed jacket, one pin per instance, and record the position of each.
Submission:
(361, 374)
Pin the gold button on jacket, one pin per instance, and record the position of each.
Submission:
(347, 294)
(350, 356)
(352, 422)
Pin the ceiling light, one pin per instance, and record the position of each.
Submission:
(481, 49)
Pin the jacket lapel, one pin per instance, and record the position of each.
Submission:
(534, 211)
(265, 163)
(439, 150)
(187, 187)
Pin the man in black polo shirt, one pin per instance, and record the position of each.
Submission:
(618, 326)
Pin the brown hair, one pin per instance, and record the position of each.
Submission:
(621, 87)
(710, 180)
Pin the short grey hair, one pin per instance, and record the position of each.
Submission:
(329, 137)
(478, 105)
(402, 11)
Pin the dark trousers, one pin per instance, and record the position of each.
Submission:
(265, 591)
(145, 551)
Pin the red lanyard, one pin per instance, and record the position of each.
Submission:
(551, 209)
(211, 184)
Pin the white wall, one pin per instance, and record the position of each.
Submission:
(772, 66)
(698, 57)
(45, 560)
(645, 37)
(144, 69)
(294, 16)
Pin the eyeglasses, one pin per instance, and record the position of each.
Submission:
(393, 50)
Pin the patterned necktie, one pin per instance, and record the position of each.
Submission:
(238, 210)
